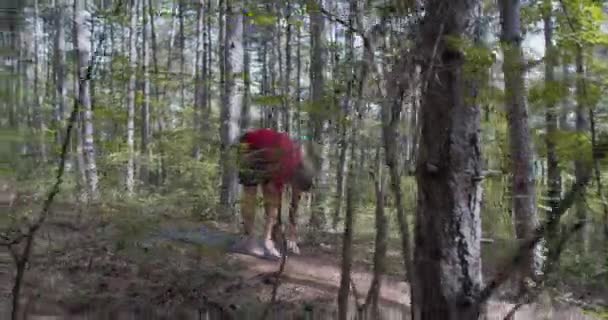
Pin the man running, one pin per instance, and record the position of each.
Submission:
(272, 160)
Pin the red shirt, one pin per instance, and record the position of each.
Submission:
(278, 149)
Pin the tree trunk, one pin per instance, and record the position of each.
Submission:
(60, 71)
(345, 114)
(347, 238)
(554, 181)
(523, 182)
(391, 114)
(130, 178)
(82, 44)
(246, 112)
(209, 50)
(447, 257)
(373, 295)
(319, 125)
(287, 97)
(39, 126)
(199, 84)
(299, 82)
(232, 104)
(581, 165)
(145, 109)
(221, 41)
(182, 55)
(159, 172)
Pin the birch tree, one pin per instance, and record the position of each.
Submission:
(199, 79)
(82, 38)
(60, 69)
(145, 108)
(130, 172)
(232, 103)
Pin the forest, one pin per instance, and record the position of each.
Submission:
(456, 150)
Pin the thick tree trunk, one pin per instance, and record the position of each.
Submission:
(130, 170)
(447, 255)
(319, 124)
(232, 104)
(82, 44)
(523, 190)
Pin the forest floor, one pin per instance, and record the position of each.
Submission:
(121, 268)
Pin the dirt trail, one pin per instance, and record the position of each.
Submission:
(317, 271)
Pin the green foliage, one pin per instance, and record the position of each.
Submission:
(267, 100)
(260, 17)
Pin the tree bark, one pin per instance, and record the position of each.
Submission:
(37, 116)
(347, 238)
(145, 109)
(288, 67)
(582, 170)
(60, 71)
(344, 116)
(447, 256)
(182, 55)
(199, 82)
(523, 190)
(232, 104)
(381, 245)
(130, 170)
(319, 124)
(82, 44)
(554, 181)
(246, 112)
(160, 171)
(298, 82)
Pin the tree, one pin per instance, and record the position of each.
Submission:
(317, 101)
(60, 69)
(232, 103)
(447, 255)
(82, 43)
(523, 190)
(145, 108)
(554, 183)
(130, 177)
